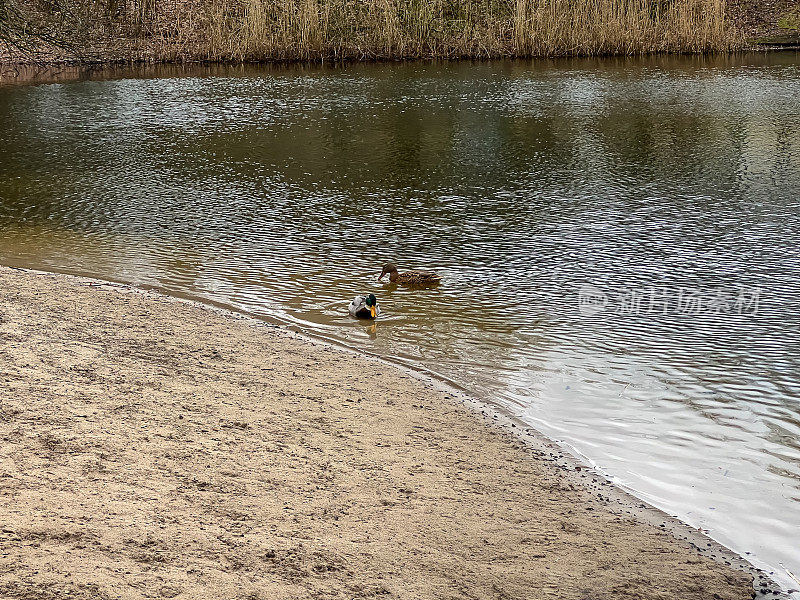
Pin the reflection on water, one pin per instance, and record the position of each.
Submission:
(618, 239)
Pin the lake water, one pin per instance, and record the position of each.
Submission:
(619, 240)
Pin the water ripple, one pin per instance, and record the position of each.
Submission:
(659, 183)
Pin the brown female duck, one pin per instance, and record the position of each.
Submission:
(409, 277)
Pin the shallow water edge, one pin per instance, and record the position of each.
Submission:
(66, 71)
(576, 468)
(276, 191)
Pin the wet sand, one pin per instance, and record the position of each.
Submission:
(158, 448)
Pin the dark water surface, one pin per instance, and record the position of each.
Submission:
(619, 240)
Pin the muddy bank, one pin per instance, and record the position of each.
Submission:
(154, 448)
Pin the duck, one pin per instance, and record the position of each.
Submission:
(364, 307)
(409, 277)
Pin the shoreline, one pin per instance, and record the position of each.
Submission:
(10, 64)
(13, 74)
(239, 32)
(553, 458)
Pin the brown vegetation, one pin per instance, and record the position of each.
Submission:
(251, 30)
(776, 22)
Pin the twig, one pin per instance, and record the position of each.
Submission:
(792, 575)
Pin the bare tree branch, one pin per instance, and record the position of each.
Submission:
(27, 27)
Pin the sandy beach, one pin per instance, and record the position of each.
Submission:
(153, 448)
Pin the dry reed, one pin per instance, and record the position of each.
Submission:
(252, 30)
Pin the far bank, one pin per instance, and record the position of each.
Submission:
(330, 30)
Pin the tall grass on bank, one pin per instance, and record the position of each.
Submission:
(250, 30)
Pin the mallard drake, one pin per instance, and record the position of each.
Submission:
(364, 307)
(409, 277)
